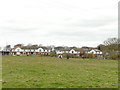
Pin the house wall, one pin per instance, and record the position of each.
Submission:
(59, 52)
(95, 52)
(18, 50)
(40, 50)
(72, 51)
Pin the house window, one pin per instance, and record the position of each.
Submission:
(39, 50)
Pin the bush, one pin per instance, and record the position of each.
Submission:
(95, 56)
(90, 55)
(113, 55)
(70, 55)
(85, 55)
(53, 54)
(65, 55)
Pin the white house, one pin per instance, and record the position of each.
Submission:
(95, 51)
(73, 51)
(70, 50)
(25, 50)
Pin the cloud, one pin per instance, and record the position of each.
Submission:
(67, 22)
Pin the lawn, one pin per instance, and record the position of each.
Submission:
(52, 72)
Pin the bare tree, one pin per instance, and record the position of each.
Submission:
(8, 47)
(111, 46)
(111, 41)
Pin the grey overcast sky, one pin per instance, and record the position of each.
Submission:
(58, 22)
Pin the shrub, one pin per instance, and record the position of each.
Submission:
(53, 54)
(65, 55)
(113, 55)
(95, 56)
(90, 55)
(70, 55)
(85, 55)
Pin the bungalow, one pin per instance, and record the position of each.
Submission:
(75, 51)
(59, 50)
(78, 51)
(71, 50)
(30, 50)
(95, 51)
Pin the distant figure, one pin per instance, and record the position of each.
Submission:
(83, 57)
(60, 56)
(67, 56)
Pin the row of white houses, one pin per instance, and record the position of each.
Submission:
(77, 52)
(18, 50)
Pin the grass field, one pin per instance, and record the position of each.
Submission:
(51, 72)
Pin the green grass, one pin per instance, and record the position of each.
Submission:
(51, 72)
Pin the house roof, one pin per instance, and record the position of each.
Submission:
(59, 48)
(43, 47)
(18, 45)
(76, 49)
(33, 47)
(29, 47)
(68, 49)
(96, 50)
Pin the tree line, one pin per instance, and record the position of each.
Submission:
(111, 48)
